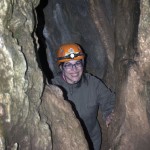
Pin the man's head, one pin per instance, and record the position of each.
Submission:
(70, 58)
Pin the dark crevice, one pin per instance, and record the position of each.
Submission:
(43, 63)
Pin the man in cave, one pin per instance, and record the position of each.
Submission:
(85, 92)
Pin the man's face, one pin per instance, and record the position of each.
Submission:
(72, 71)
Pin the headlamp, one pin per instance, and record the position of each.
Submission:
(71, 56)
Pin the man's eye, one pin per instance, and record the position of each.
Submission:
(68, 65)
(78, 62)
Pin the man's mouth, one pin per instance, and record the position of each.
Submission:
(74, 75)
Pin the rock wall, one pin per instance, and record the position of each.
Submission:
(35, 116)
(131, 129)
(58, 113)
(21, 82)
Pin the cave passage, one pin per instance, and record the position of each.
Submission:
(108, 33)
(72, 21)
(115, 36)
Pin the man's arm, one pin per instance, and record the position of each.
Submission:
(106, 100)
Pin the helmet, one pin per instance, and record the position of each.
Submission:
(68, 52)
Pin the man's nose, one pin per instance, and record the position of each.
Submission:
(74, 67)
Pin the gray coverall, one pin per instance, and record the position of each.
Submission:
(88, 96)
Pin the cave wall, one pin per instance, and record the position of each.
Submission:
(115, 35)
(132, 68)
(21, 81)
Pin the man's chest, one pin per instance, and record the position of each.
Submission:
(83, 101)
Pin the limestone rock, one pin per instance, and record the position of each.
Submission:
(21, 80)
(66, 131)
(132, 125)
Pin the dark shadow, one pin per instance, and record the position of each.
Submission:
(42, 56)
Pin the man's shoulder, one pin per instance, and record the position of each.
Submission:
(91, 79)
(90, 76)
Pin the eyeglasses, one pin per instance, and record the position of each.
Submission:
(69, 66)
